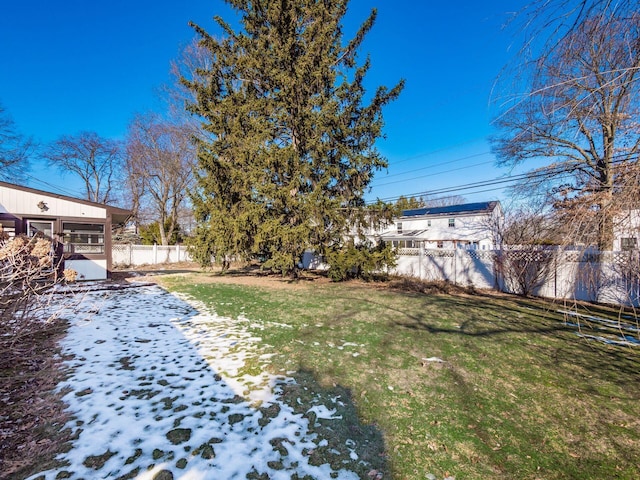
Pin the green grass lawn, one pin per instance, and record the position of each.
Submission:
(517, 394)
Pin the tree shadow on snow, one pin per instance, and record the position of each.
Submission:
(345, 441)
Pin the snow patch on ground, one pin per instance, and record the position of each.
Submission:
(158, 384)
(614, 332)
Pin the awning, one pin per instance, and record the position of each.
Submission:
(409, 235)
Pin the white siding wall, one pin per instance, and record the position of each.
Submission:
(627, 226)
(470, 228)
(26, 203)
(88, 269)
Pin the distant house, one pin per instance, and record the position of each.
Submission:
(626, 230)
(467, 226)
(80, 230)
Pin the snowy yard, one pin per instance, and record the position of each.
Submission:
(160, 388)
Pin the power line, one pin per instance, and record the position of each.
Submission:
(56, 188)
(459, 188)
(439, 150)
(494, 181)
(435, 174)
(449, 162)
(557, 170)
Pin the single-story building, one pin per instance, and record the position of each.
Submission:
(80, 230)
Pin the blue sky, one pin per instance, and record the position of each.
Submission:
(78, 65)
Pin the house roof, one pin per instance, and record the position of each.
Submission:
(464, 209)
(118, 215)
(410, 235)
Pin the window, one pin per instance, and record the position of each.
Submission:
(84, 238)
(399, 227)
(403, 244)
(452, 222)
(440, 244)
(40, 228)
(428, 223)
(628, 243)
(8, 227)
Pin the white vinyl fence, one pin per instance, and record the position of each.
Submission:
(135, 255)
(461, 267)
(607, 277)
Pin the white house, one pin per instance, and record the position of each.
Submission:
(468, 226)
(80, 230)
(626, 230)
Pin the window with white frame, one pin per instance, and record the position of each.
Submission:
(83, 238)
(40, 228)
(399, 227)
(452, 223)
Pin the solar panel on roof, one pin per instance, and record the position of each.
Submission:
(451, 209)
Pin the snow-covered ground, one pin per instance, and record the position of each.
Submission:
(161, 388)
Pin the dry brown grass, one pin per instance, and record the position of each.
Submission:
(32, 412)
(248, 275)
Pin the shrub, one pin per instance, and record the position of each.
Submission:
(363, 260)
(29, 330)
(150, 234)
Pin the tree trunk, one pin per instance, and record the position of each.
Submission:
(605, 223)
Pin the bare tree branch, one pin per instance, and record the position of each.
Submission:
(583, 105)
(96, 161)
(159, 164)
(14, 149)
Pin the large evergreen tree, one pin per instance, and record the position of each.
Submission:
(289, 147)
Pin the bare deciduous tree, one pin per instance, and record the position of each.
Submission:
(525, 269)
(448, 201)
(96, 160)
(581, 114)
(544, 24)
(528, 238)
(14, 148)
(193, 60)
(159, 163)
(404, 203)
